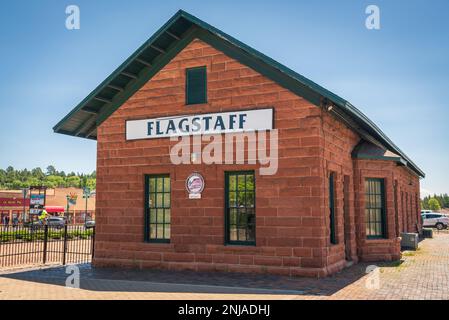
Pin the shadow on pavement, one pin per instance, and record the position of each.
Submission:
(127, 280)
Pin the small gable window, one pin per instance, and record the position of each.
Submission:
(196, 85)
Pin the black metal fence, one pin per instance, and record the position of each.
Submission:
(42, 244)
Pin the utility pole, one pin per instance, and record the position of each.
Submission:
(67, 211)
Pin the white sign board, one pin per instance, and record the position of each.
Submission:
(194, 195)
(210, 123)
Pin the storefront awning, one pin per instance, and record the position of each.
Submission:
(54, 209)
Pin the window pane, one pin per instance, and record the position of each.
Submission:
(377, 215)
(232, 183)
(160, 215)
(167, 231)
(378, 201)
(251, 232)
(251, 216)
(152, 231)
(167, 216)
(160, 184)
(250, 182)
(241, 234)
(243, 221)
(232, 199)
(153, 216)
(250, 199)
(241, 199)
(167, 184)
(152, 185)
(159, 200)
(152, 203)
(233, 217)
(241, 183)
(160, 231)
(233, 233)
(166, 200)
(377, 187)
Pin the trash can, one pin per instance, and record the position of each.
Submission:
(427, 233)
(409, 241)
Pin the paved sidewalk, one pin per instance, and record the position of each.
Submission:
(423, 274)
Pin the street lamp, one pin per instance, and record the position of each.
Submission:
(24, 193)
(86, 195)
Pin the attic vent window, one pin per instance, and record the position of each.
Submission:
(196, 85)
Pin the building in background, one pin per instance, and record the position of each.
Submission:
(12, 205)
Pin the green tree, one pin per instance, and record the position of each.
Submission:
(15, 179)
(91, 184)
(434, 205)
(73, 181)
(57, 181)
(10, 174)
(51, 170)
(444, 200)
(38, 174)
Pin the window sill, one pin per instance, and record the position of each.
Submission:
(196, 104)
(157, 241)
(240, 244)
(378, 240)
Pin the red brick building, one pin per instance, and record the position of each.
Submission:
(343, 190)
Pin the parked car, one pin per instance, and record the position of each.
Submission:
(89, 224)
(436, 220)
(35, 225)
(57, 222)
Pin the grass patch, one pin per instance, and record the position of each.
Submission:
(397, 265)
(392, 264)
(411, 253)
(408, 254)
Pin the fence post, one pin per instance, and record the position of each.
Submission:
(45, 243)
(65, 245)
(93, 242)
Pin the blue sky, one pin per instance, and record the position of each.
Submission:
(398, 75)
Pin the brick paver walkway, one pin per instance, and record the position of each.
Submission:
(423, 274)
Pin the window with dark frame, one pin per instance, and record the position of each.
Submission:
(240, 207)
(158, 208)
(333, 237)
(375, 208)
(196, 85)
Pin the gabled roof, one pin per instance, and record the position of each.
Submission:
(167, 42)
